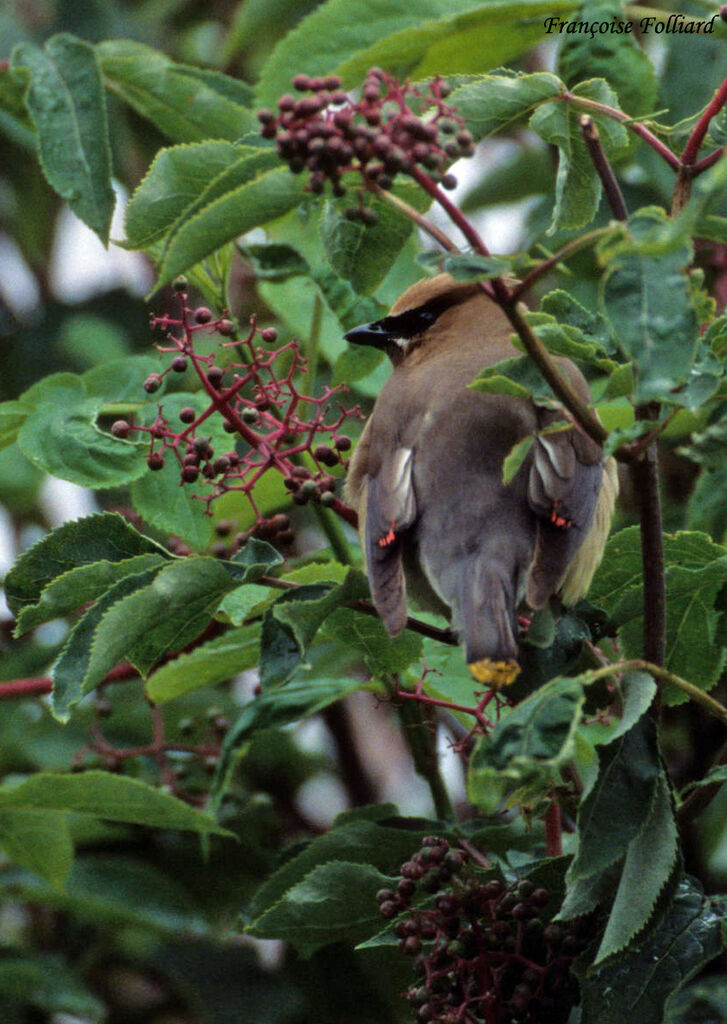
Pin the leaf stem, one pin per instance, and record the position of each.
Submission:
(645, 478)
(553, 830)
(662, 675)
(420, 733)
(570, 249)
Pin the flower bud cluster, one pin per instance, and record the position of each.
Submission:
(393, 128)
(483, 950)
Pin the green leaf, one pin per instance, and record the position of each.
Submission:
(112, 797)
(518, 376)
(363, 254)
(473, 267)
(650, 861)
(252, 561)
(646, 301)
(696, 572)
(617, 57)
(141, 618)
(365, 635)
(175, 180)
(275, 262)
(577, 186)
(637, 986)
(616, 809)
(39, 841)
(718, 775)
(104, 537)
(293, 620)
(46, 983)
(297, 699)
(114, 890)
(336, 902)
(121, 380)
(246, 203)
(518, 454)
(12, 417)
(530, 743)
(79, 586)
(60, 436)
(206, 665)
(187, 104)
(66, 102)
(356, 841)
(350, 36)
(499, 101)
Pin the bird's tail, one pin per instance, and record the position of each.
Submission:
(489, 627)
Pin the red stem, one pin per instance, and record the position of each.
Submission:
(699, 131)
(38, 687)
(553, 831)
(635, 126)
(708, 161)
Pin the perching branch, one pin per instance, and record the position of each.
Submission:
(597, 153)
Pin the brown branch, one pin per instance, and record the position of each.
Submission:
(597, 153)
(645, 478)
(41, 685)
(570, 249)
(695, 140)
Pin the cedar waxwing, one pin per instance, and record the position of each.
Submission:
(426, 480)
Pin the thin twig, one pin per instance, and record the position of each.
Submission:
(645, 477)
(701, 797)
(662, 675)
(597, 153)
(695, 140)
(570, 249)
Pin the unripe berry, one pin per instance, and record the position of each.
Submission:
(179, 284)
(328, 498)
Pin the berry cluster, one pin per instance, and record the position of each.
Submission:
(483, 951)
(378, 137)
(276, 425)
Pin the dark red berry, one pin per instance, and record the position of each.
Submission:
(155, 460)
(225, 327)
(269, 334)
(179, 364)
(152, 383)
(120, 428)
(202, 315)
(190, 474)
(215, 375)
(187, 414)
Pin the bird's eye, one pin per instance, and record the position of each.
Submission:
(412, 322)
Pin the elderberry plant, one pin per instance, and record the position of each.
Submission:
(166, 646)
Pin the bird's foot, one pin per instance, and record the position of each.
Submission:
(494, 674)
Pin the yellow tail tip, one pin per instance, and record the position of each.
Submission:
(494, 674)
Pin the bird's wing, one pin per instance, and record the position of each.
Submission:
(564, 484)
(390, 511)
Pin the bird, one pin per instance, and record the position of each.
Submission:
(436, 519)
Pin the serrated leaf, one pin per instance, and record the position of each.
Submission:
(66, 103)
(577, 186)
(39, 841)
(187, 104)
(253, 560)
(373, 843)
(79, 586)
(637, 986)
(498, 102)
(244, 206)
(716, 775)
(141, 618)
(696, 573)
(336, 902)
(175, 180)
(646, 300)
(616, 808)
(112, 797)
(650, 861)
(366, 636)
(121, 380)
(208, 664)
(473, 267)
(60, 436)
(104, 537)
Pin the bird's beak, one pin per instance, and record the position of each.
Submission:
(370, 334)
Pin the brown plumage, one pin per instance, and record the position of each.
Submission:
(426, 480)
